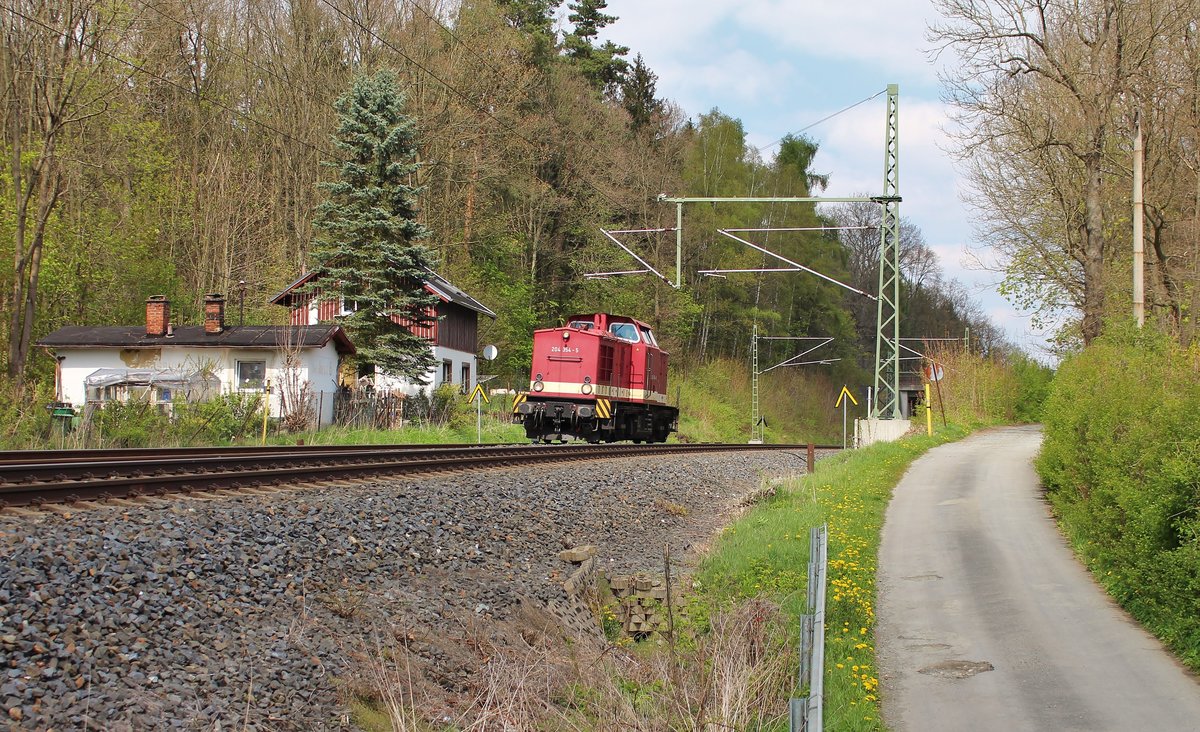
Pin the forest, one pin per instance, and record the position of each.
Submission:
(175, 147)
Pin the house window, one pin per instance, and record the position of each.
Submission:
(466, 376)
(251, 375)
(349, 306)
(447, 372)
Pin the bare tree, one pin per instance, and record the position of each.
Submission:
(53, 65)
(1042, 88)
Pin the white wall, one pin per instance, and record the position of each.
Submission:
(318, 366)
(870, 431)
(433, 378)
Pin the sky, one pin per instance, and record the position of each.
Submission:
(781, 65)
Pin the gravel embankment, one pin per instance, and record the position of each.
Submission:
(257, 612)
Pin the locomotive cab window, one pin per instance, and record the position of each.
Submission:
(648, 337)
(582, 324)
(624, 331)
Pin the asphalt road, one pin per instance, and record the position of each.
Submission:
(988, 622)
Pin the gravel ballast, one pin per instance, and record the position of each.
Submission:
(255, 611)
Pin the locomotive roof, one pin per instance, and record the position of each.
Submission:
(610, 317)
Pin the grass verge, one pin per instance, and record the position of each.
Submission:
(765, 554)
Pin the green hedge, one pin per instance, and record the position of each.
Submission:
(1121, 462)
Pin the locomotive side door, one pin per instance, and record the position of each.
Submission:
(637, 372)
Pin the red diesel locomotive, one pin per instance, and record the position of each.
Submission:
(602, 378)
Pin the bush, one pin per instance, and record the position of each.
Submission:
(138, 423)
(220, 420)
(1121, 463)
(444, 405)
(1033, 387)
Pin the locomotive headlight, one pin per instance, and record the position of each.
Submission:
(538, 386)
(566, 336)
(586, 388)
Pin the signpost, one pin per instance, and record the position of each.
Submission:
(841, 402)
(935, 373)
(479, 396)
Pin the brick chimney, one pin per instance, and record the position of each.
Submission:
(214, 314)
(158, 312)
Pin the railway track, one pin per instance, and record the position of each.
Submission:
(34, 478)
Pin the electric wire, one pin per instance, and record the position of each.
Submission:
(823, 119)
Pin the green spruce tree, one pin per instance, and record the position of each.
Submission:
(367, 252)
(637, 95)
(603, 65)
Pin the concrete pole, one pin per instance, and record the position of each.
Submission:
(1139, 295)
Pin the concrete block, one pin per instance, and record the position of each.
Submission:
(578, 554)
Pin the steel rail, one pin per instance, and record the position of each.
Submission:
(105, 478)
(24, 457)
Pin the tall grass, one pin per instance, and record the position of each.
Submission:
(977, 389)
(715, 404)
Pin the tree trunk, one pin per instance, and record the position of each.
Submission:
(18, 285)
(1093, 250)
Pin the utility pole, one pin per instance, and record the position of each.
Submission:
(756, 426)
(887, 333)
(1139, 294)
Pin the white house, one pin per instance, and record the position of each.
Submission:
(452, 333)
(163, 363)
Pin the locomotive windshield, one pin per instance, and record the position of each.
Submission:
(624, 331)
(582, 324)
(648, 337)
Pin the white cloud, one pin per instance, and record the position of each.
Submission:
(865, 32)
(870, 32)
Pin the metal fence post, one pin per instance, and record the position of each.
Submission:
(806, 713)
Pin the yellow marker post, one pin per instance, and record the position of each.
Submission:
(479, 397)
(841, 402)
(928, 412)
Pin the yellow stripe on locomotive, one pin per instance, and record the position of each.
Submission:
(603, 408)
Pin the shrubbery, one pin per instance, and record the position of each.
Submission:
(1121, 462)
(136, 423)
